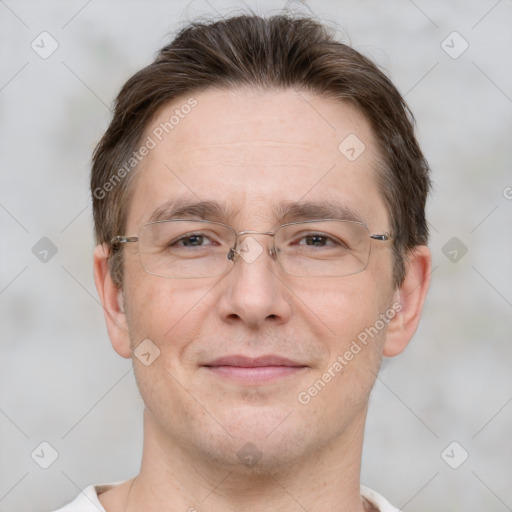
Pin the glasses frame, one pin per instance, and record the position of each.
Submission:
(233, 254)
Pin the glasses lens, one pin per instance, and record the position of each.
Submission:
(185, 249)
(323, 248)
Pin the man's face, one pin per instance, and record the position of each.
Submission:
(251, 151)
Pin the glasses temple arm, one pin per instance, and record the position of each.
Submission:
(382, 237)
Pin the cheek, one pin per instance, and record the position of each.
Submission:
(351, 330)
(168, 312)
(170, 317)
(345, 306)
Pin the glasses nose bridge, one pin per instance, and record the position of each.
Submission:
(249, 232)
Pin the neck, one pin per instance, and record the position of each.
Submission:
(173, 477)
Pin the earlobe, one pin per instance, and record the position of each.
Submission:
(411, 296)
(112, 301)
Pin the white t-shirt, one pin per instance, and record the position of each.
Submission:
(87, 500)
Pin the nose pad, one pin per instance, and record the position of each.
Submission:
(250, 250)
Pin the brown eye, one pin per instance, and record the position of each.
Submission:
(316, 240)
(191, 241)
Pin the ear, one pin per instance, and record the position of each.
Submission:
(409, 299)
(112, 302)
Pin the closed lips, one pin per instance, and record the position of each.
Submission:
(249, 362)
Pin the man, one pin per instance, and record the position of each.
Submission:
(259, 210)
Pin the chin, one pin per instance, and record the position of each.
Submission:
(261, 441)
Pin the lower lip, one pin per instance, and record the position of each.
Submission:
(257, 374)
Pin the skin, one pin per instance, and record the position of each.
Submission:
(250, 150)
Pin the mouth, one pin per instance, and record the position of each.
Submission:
(257, 370)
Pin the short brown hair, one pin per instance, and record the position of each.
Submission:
(272, 53)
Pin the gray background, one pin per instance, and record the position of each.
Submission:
(61, 382)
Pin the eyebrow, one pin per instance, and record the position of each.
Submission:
(185, 208)
(307, 210)
(286, 211)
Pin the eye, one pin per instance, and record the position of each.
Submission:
(316, 240)
(320, 240)
(191, 240)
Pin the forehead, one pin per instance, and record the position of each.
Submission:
(255, 151)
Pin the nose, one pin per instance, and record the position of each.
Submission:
(253, 291)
